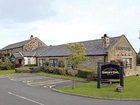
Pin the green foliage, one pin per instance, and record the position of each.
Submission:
(61, 71)
(77, 55)
(6, 72)
(54, 70)
(23, 70)
(46, 63)
(61, 64)
(31, 65)
(84, 73)
(27, 70)
(131, 89)
(7, 65)
(42, 68)
(72, 72)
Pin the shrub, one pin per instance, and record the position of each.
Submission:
(61, 71)
(92, 76)
(23, 70)
(41, 68)
(27, 70)
(31, 65)
(72, 72)
(46, 63)
(3, 67)
(53, 70)
(34, 70)
(84, 73)
(7, 65)
(50, 69)
(61, 64)
(17, 65)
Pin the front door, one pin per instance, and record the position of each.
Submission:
(20, 61)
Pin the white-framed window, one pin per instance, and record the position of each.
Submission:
(53, 62)
(42, 62)
(127, 63)
(29, 61)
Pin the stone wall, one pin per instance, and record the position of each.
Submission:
(138, 70)
(46, 59)
(90, 62)
(11, 51)
(122, 50)
(33, 44)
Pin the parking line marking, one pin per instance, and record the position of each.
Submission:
(25, 98)
(28, 78)
(49, 83)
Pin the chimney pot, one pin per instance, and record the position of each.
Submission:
(31, 37)
(105, 35)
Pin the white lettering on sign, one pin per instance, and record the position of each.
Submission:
(110, 71)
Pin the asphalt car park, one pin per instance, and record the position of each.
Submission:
(36, 80)
(30, 89)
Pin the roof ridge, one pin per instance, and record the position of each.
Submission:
(19, 42)
(14, 44)
(80, 42)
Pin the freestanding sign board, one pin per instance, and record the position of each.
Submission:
(110, 71)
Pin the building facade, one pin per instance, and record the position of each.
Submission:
(27, 45)
(106, 49)
(103, 50)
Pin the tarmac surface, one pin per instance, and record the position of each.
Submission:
(30, 89)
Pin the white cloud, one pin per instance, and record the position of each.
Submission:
(71, 20)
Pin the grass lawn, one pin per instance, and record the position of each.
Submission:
(61, 76)
(131, 89)
(6, 72)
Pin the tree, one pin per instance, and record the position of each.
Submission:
(77, 55)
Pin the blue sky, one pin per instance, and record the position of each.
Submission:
(62, 21)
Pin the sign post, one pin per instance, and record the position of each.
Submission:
(99, 76)
(121, 76)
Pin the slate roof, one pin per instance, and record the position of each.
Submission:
(16, 45)
(93, 47)
(24, 54)
(17, 55)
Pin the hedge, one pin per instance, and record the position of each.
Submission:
(22, 70)
(86, 73)
(27, 70)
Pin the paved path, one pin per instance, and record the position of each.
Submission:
(19, 90)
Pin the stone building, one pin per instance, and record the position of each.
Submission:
(102, 50)
(27, 45)
(24, 58)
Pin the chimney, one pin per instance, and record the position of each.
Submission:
(105, 41)
(31, 37)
